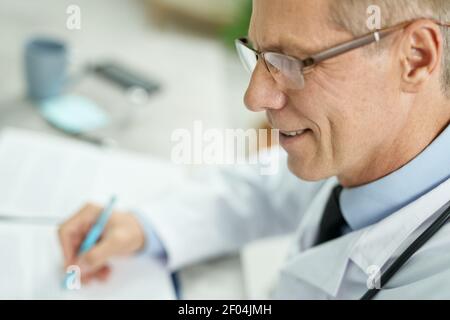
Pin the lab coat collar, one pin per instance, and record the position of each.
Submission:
(321, 266)
(324, 266)
(379, 242)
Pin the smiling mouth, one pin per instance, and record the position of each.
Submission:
(291, 134)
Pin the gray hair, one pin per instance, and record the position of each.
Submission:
(351, 15)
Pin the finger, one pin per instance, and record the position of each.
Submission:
(97, 257)
(86, 278)
(103, 274)
(67, 245)
(72, 232)
(84, 218)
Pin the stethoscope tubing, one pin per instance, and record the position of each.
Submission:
(409, 252)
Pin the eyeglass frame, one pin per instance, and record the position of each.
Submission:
(310, 62)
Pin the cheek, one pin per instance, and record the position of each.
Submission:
(347, 110)
(315, 158)
(349, 114)
(325, 105)
(366, 118)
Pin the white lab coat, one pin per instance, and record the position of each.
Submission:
(223, 209)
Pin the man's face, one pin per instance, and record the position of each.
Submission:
(349, 105)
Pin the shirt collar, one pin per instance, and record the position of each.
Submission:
(365, 205)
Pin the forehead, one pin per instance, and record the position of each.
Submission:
(285, 23)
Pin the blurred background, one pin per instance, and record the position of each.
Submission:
(184, 48)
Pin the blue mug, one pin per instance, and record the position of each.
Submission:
(45, 68)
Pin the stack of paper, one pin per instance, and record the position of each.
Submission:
(46, 176)
(46, 179)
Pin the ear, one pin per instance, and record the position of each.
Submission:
(421, 54)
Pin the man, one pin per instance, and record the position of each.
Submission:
(365, 123)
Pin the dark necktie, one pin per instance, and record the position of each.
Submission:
(332, 221)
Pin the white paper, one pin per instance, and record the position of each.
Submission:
(45, 176)
(31, 268)
(42, 176)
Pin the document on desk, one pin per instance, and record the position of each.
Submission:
(44, 176)
(31, 268)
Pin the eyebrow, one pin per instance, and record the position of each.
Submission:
(293, 50)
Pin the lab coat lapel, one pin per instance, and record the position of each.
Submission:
(323, 266)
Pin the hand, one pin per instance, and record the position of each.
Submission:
(122, 236)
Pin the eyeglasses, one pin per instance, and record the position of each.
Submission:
(290, 72)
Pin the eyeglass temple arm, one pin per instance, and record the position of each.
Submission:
(350, 45)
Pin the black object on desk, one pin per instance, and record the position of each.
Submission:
(124, 77)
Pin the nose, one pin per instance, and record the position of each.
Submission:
(263, 93)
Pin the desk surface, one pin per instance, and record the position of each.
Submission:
(200, 79)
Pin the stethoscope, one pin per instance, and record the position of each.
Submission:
(393, 268)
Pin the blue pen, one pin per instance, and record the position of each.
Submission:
(94, 234)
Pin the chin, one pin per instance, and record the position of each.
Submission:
(307, 170)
